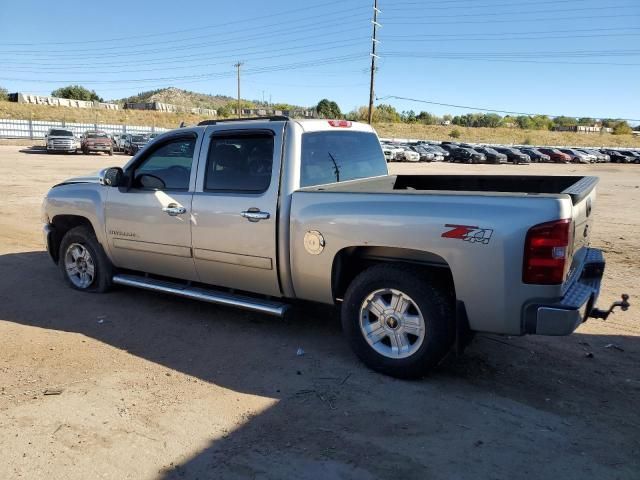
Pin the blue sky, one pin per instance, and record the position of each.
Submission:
(557, 57)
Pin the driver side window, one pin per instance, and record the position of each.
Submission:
(168, 167)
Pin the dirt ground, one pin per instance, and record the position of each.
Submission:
(155, 387)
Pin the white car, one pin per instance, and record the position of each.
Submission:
(409, 155)
(392, 153)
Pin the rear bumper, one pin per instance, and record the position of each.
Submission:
(565, 315)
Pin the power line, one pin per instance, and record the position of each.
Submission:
(274, 68)
(223, 40)
(540, 19)
(165, 33)
(495, 39)
(525, 12)
(482, 109)
(500, 34)
(200, 61)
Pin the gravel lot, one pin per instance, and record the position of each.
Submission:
(159, 387)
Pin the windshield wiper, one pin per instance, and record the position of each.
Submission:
(336, 168)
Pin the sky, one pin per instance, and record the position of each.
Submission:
(564, 57)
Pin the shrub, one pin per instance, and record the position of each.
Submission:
(4, 94)
(455, 133)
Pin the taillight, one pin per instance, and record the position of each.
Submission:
(340, 123)
(546, 252)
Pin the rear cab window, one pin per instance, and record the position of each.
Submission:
(338, 156)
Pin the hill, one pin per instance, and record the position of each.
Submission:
(177, 96)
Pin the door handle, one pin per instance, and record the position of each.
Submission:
(173, 209)
(255, 215)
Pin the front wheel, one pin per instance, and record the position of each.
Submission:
(397, 321)
(82, 261)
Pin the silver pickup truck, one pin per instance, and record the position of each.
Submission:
(258, 213)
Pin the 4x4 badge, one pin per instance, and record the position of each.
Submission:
(468, 233)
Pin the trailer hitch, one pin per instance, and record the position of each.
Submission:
(604, 314)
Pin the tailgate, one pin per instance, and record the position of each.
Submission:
(583, 197)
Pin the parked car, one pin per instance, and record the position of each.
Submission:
(438, 154)
(536, 155)
(467, 155)
(577, 156)
(61, 140)
(634, 153)
(437, 148)
(409, 154)
(600, 156)
(492, 155)
(392, 153)
(621, 156)
(513, 155)
(134, 143)
(298, 218)
(96, 141)
(556, 155)
(426, 155)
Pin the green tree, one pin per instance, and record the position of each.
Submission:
(427, 118)
(76, 92)
(622, 128)
(455, 133)
(409, 117)
(586, 121)
(563, 121)
(4, 94)
(328, 109)
(385, 113)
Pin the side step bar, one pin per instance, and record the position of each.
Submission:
(212, 296)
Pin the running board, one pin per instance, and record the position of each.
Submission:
(212, 296)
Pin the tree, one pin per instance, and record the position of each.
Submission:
(455, 133)
(76, 92)
(328, 109)
(622, 128)
(563, 121)
(587, 121)
(409, 117)
(4, 94)
(428, 118)
(385, 113)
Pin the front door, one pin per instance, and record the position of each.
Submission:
(235, 207)
(149, 222)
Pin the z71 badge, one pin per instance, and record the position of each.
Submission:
(468, 233)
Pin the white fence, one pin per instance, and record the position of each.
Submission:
(35, 129)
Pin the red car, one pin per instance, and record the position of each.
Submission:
(96, 141)
(556, 155)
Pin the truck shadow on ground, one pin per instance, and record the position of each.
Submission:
(531, 397)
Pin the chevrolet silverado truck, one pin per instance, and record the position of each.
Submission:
(260, 213)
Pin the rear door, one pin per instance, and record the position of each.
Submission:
(235, 207)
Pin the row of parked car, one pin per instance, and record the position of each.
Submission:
(427, 151)
(59, 140)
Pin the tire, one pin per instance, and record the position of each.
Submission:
(85, 151)
(111, 152)
(80, 242)
(432, 328)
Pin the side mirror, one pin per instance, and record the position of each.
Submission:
(111, 177)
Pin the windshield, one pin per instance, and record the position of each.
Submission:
(97, 135)
(337, 156)
(60, 133)
(139, 138)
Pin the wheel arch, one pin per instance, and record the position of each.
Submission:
(351, 261)
(61, 225)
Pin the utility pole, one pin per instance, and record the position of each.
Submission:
(238, 65)
(374, 41)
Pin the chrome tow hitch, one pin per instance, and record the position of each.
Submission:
(604, 314)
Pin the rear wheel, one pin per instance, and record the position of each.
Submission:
(397, 321)
(83, 263)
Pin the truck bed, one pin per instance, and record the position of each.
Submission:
(576, 187)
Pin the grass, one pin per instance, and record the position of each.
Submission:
(21, 111)
(506, 135)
